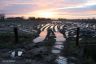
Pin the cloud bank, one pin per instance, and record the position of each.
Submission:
(61, 8)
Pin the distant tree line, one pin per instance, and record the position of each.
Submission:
(85, 20)
(93, 20)
(29, 19)
(2, 18)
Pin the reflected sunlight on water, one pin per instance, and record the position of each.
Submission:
(59, 36)
(41, 37)
(61, 60)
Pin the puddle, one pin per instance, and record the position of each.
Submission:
(61, 60)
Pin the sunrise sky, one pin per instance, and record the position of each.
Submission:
(49, 8)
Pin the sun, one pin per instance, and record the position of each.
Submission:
(45, 14)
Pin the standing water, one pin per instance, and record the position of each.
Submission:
(59, 46)
(42, 35)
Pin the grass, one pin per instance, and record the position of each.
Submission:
(90, 48)
(7, 39)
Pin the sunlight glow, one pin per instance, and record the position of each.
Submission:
(45, 14)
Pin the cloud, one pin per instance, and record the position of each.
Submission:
(59, 7)
(18, 9)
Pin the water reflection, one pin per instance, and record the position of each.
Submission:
(59, 37)
(56, 51)
(56, 28)
(59, 41)
(41, 37)
(18, 53)
(59, 46)
(61, 60)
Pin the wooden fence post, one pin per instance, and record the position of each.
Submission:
(16, 34)
(77, 37)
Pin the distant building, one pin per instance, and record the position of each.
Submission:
(2, 16)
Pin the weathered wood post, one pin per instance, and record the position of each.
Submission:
(16, 34)
(77, 37)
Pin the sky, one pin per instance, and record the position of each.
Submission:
(49, 8)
